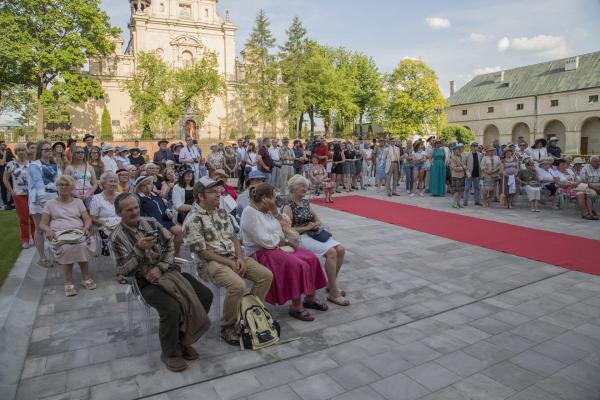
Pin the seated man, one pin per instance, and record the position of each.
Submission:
(208, 232)
(590, 175)
(142, 248)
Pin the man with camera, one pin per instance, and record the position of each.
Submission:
(191, 155)
(144, 250)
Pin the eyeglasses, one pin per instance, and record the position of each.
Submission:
(80, 152)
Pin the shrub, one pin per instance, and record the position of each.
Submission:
(106, 126)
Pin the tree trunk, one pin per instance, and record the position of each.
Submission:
(299, 122)
(360, 126)
(311, 115)
(40, 111)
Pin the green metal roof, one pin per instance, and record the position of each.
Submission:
(536, 79)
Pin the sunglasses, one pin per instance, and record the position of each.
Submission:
(80, 152)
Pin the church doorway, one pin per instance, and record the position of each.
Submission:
(556, 128)
(590, 136)
(490, 134)
(190, 129)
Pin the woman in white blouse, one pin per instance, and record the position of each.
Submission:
(296, 271)
(538, 151)
(102, 208)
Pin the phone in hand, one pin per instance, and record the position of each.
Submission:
(154, 235)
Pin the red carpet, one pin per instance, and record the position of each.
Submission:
(572, 252)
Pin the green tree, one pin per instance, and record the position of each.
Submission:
(232, 134)
(106, 125)
(261, 89)
(320, 84)
(369, 95)
(251, 133)
(292, 57)
(161, 94)
(412, 94)
(457, 133)
(47, 43)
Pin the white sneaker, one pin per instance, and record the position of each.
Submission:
(422, 194)
(412, 195)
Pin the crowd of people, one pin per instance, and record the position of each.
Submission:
(243, 209)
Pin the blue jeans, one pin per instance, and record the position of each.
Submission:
(408, 171)
(472, 182)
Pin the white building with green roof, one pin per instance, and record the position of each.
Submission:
(555, 98)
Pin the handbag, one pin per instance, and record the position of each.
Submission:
(68, 236)
(320, 235)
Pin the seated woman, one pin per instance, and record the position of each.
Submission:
(296, 271)
(166, 189)
(68, 213)
(319, 179)
(304, 221)
(102, 209)
(545, 176)
(565, 181)
(529, 181)
(152, 205)
(124, 185)
(183, 194)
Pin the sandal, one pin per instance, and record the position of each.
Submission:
(340, 301)
(70, 290)
(45, 263)
(302, 315)
(89, 284)
(343, 293)
(315, 305)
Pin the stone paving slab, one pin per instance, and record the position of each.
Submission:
(429, 318)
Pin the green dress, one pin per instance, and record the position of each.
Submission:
(437, 174)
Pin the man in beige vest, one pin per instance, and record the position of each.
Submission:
(391, 159)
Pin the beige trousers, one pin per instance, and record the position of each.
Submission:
(225, 277)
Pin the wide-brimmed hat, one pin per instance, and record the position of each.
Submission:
(140, 180)
(553, 139)
(490, 148)
(546, 161)
(142, 149)
(163, 141)
(256, 174)
(107, 147)
(220, 172)
(507, 149)
(206, 183)
(87, 136)
(121, 149)
(578, 160)
(59, 143)
(131, 150)
(542, 140)
(177, 145)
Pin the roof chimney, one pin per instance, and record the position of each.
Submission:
(452, 88)
(571, 64)
(499, 77)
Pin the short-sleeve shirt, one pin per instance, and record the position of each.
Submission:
(590, 174)
(209, 231)
(266, 159)
(321, 151)
(65, 215)
(102, 208)
(20, 176)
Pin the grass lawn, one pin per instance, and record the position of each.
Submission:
(10, 242)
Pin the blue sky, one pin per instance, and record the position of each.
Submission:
(458, 39)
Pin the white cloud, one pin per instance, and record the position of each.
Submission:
(480, 38)
(503, 44)
(437, 23)
(552, 46)
(486, 70)
(412, 58)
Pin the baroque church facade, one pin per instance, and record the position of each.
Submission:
(179, 31)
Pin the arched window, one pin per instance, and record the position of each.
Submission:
(187, 58)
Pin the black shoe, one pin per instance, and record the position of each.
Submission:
(230, 336)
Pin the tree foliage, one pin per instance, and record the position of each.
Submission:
(412, 94)
(369, 89)
(106, 125)
(261, 91)
(161, 93)
(44, 46)
(457, 133)
(292, 57)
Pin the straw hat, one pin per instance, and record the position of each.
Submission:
(490, 148)
(578, 160)
(220, 172)
(545, 161)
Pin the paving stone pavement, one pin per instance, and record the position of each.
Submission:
(430, 319)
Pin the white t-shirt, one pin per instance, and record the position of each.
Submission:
(419, 156)
(274, 153)
(189, 154)
(544, 176)
(109, 164)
